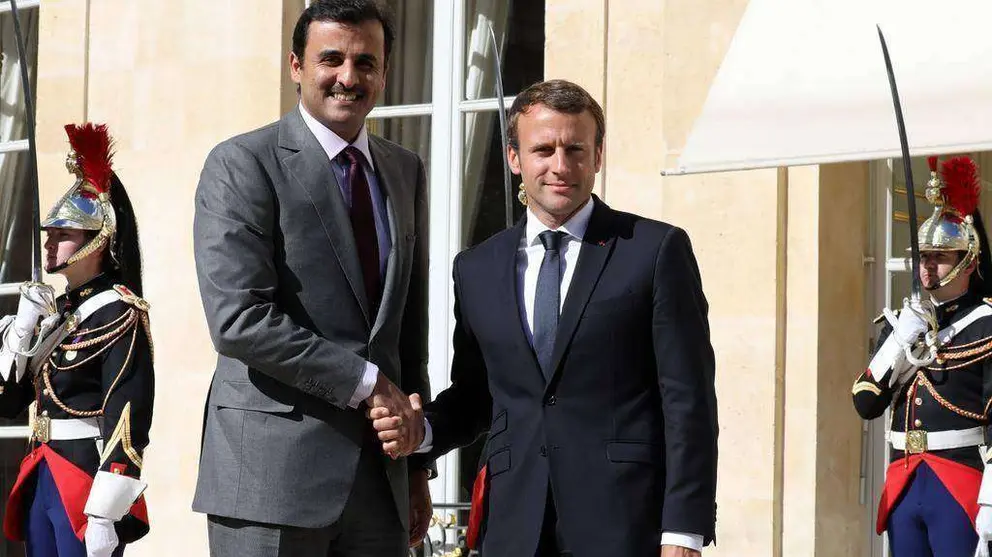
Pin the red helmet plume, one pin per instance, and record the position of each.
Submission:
(94, 156)
(962, 186)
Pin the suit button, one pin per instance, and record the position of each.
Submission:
(918, 423)
(918, 401)
(552, 400)
(544, 451)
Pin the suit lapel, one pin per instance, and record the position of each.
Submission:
(507, 301)
(597, 245)
(308, 165)
(390, 183)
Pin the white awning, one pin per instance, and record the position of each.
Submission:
(804, 82)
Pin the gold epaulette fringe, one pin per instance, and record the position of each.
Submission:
(131, 298)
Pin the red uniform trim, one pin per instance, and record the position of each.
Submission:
(74, 489)
(478, 509)
(962, 481)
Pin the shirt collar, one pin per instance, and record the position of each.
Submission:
(574, 227)
(332, 142)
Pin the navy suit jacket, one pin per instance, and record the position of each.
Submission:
(625, 431)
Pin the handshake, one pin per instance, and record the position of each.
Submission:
(397, 418)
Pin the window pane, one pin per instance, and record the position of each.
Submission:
(408, 80)
(519, 27)
(483, 197)
(15, 222)
(412, 132)
(12, 110)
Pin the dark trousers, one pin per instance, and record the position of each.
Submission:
(48, 532)
(551, 542)
(928, 522)
(368, 527)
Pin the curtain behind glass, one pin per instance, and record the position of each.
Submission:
(15, 184)
(408, 78)
(480, 82)
(519, 29)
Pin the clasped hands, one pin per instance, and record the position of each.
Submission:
(397, 418)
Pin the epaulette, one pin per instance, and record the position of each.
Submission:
(131, 298)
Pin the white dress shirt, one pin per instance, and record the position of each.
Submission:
(333, 144)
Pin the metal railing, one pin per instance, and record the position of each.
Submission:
(446, 536)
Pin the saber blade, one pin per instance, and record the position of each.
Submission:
(507, 184)
(914, 242)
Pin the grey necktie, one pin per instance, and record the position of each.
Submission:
(547, 301)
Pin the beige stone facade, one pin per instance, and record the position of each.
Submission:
(781, 251)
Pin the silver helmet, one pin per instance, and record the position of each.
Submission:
(86, 206)
(954, 191)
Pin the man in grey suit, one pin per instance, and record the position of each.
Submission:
(310, 238)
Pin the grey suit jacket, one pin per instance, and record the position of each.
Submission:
(282, 289)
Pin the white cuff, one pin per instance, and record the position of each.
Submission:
(886, 358)
(366, 385)
(681, 539)
(112, 495)
(428, 443)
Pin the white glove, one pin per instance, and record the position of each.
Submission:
(983, 525)
(37, 302)
(101, 538)
(912, 321)
(891, 356)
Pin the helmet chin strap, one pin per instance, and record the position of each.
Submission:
(62, 266)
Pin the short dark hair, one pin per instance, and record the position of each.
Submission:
(351, 12)
(558, 95)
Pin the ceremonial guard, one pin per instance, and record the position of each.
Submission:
(82, 364)
(932, 368)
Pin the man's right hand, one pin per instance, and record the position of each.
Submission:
(912, 322)
(37, 301)
(398, 419)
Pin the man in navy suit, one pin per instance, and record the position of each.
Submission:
(582, 346)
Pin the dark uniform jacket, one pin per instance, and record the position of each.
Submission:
(103, 368)
(953, 393)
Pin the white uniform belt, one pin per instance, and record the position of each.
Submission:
(73, 428)
(937, 440)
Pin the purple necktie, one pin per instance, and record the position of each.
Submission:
(363, 226)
